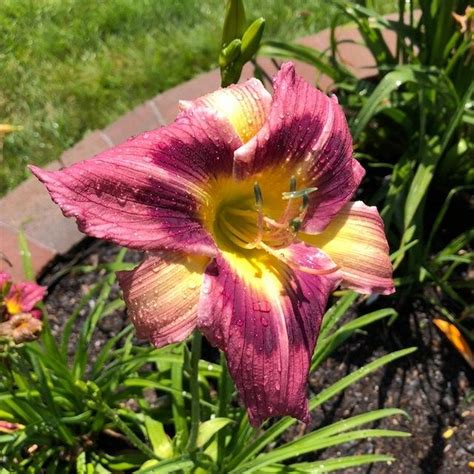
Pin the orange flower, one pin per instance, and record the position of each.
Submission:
(456, 339)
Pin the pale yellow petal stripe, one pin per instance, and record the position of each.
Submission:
(245, 106)
(162, 295)
(355, 240)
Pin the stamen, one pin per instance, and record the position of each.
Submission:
(259, 205)
(292, 184)
(305, 202)
(274, 223)
(283, 222)
(295, 266)
(279, 233)
(258, 194)
(298, 194)
(295, 224)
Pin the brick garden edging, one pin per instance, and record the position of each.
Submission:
(50, 234)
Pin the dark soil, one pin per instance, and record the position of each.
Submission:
(433, 385)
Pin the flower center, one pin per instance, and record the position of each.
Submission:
(253, 221)
(248, 225)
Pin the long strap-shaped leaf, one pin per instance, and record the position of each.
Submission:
(278, 428)
(345, 462)
(286, 452)
(392, 81)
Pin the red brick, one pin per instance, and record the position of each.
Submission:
(29, 207)
(142, 118)
(167, 102)
(40, 256)
(93, 143)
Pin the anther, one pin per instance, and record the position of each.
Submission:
(305, 202)
(292, 184)
(295, 224)
(258, 194)
(260, 218)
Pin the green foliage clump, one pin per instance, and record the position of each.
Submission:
(133, 408)
(412, 126)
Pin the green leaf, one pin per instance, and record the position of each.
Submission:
(392, 81)
(442, 213)
(314, 444)
(310, 441)
(298, 52)
(345, 462)
(81, 467)
(88, 328)
(208, 428)
(125, 461)
(349, 423)
(178, 407)
(137, 382)
(113, 415)
(25, 256)
(167, 466)
(69, 326)
(425, 171)
(336, 312)
(280, 426)
(373, 37)
(107, 351)
(159, 440)
(332, 342)
(430, 156)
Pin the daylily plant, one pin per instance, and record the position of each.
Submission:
(243, 205)
(19, 319)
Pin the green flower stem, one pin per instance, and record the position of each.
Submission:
(194, 389)
(223, 405)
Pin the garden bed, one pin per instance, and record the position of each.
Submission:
(433, 385)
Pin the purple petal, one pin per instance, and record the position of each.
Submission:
(147, 192)
(307, 135)
(266, 316)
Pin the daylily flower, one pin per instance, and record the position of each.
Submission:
(20, 297)
(21, 327)
(243, 205)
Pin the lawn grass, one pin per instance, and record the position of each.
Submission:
(69, 66)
